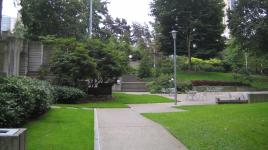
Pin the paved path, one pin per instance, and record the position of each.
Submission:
(154, 108)
(126, 129)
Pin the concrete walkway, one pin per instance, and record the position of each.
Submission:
(126, 129)
(154, 108)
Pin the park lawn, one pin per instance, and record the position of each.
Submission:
(121, 100)
(62, 129)
(259, 82)
(219, 127)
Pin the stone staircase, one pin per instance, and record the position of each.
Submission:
(131, 83)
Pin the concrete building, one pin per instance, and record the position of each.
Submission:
(22, 57)
(8, 23)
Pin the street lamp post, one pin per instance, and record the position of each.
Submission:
(174, 35)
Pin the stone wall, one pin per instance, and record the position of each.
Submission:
(22, 57)
(10, 49)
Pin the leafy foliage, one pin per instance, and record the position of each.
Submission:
(62, 18)
(198, 22)
(23, 98)
(216, 83)
(71, 62)
(248, 22)
(67, 95)
(111, 60)
(162, 82)
(90, 60)
(145, 68)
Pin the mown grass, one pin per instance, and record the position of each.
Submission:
(219, 127)
(259, 82)
(121, 100)
(62, 129)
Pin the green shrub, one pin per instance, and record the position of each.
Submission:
(23, 98)
(210, 65)
(11, 112)
(162, 82)
(67, 95)
(184, 86)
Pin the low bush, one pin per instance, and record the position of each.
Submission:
(216, 83)
(67, 95)
(162, 82)
(22, 98)
(184, 86)
(210, 65)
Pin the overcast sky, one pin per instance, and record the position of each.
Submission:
(9, 9)
(132, 10)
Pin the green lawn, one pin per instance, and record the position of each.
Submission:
(121, 100)
(62, 129)
(219, 127)
(260, 82)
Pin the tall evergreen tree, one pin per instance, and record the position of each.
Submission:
(198, 22)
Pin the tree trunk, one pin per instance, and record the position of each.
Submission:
(188, 40)
(1, 6)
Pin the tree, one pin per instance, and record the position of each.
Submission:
(117, 28)
(62, 18)
(198, 22)
(141, 33)
(110, 58)
(248, 23)
(71, 62)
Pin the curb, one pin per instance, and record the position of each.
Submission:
(96, 131)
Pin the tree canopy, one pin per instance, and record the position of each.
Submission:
(249, 25)
(198, 22)
(62, 18)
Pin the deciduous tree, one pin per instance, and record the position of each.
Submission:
(198, 22)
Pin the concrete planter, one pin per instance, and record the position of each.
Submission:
(223, 88)
(12, 139)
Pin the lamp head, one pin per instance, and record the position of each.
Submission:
(174, 34)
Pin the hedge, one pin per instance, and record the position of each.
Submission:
(22, 98)
(67, 95)
(216, 83)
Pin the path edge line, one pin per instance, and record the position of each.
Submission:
(96, 131)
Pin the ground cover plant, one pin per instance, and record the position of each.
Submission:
(121, 100)
(259, 82)
(62, 129)
(230, 127)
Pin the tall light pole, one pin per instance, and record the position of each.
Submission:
(90, 20)
(174, 35)
(246, 61)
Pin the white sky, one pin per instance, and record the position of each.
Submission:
(132, 10)
(9, 9)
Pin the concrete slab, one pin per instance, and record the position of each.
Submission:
(125, 129)
(154, 108)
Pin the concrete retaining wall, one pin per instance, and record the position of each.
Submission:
(21, 57)
(223, 88)
(258, 97)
